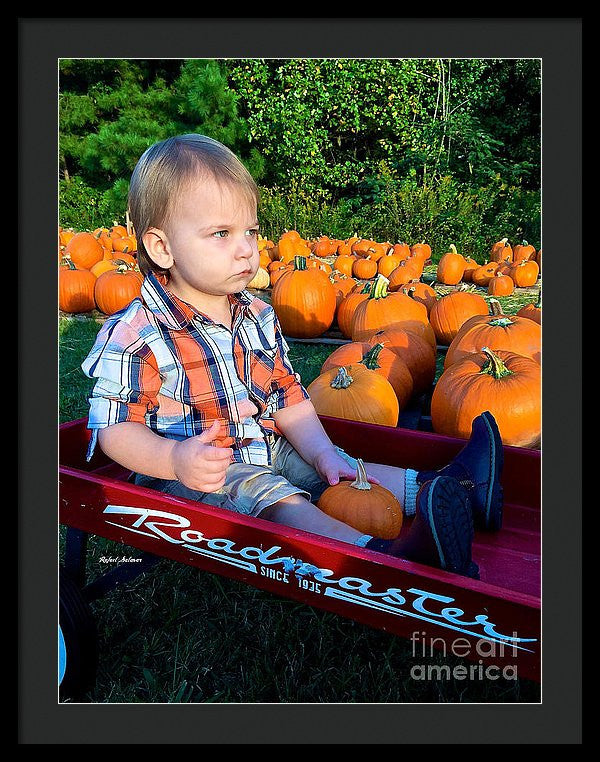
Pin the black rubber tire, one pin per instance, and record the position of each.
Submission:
(78, 628)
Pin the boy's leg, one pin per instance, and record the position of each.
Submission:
(440, 535)
(478, 467)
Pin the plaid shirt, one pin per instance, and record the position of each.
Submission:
(162, 363)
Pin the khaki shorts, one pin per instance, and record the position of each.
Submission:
(250, 489)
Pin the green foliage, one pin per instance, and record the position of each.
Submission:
(436, 149)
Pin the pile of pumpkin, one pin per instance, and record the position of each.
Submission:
(492, 362)
(97, 270)
(506, 268)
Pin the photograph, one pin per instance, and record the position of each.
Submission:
(299, 310)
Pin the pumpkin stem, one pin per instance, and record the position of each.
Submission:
(453, 249)
(361, 481)
(342, 380)
(379, 288)
(504, 241)
(67, 261)
(496, 307)
(503, 322)
(494, 366)
(300, 263)
(525, 243)
(371, 359)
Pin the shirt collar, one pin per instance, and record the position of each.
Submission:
(173, 311)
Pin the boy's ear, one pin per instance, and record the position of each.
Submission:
(157, 246)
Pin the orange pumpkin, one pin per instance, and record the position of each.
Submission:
(452, 310)
(525, 273)
(420, 292)
(84, 250)
(345, 247)
(347, 307)
(344, 263)
(501, 250)
(422, 249)
(470, 266)
(388, 263)
(523, 251)
(364, 268)
(532, 311)
(383, 310)
(408, 270)
(401, 250)
(451, 267)
(496, 331)
(482, 275)
(75, 288)
(379, 359)
(369, 508)
(414, 350)
(115, 289)
(501, 285)
(325, 247)
(499, 381)
(304, 301)
(355, 393)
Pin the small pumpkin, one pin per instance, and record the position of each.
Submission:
(422, 250)
(470, 266)
(496, 331)
(421, 292)
(408, 270)
(75, 288)
(501, 250)
(355, 393)
(452, 310)
(388, 263)
(84, 250)
(499, 381)
(304, 301)
(369, 508)
(525, 273)
(347, 307)
(501, 285)
(451, 267)
(523, 251)
(343, 263)
(383, 310)
(414, 350)
(115, 289)
(482, 275)
(364, 268)
(401, 250)
(533, 311)
(261, 279)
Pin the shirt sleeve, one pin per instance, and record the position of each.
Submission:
(127, 379)
(286, 385)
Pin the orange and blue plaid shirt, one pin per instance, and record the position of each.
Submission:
(162, 363)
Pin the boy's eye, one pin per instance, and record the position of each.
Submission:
(220, 233)
(253, 232)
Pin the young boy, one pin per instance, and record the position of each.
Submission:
(196, 395)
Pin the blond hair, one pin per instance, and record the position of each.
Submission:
(163, 172)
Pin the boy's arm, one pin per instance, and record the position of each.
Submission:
(195, 461)
(301, 426)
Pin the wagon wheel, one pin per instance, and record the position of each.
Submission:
(78, 645)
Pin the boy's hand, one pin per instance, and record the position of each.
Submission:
(200, 464)
(331, 467)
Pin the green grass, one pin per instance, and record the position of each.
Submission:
(180, 635)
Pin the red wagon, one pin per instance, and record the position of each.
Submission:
(495, 620)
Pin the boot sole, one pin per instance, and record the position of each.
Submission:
(492, 513)
(451, 523)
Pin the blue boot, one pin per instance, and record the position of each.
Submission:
(441, 533)
(478, 467)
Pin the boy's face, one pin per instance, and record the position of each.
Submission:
(212, 243)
